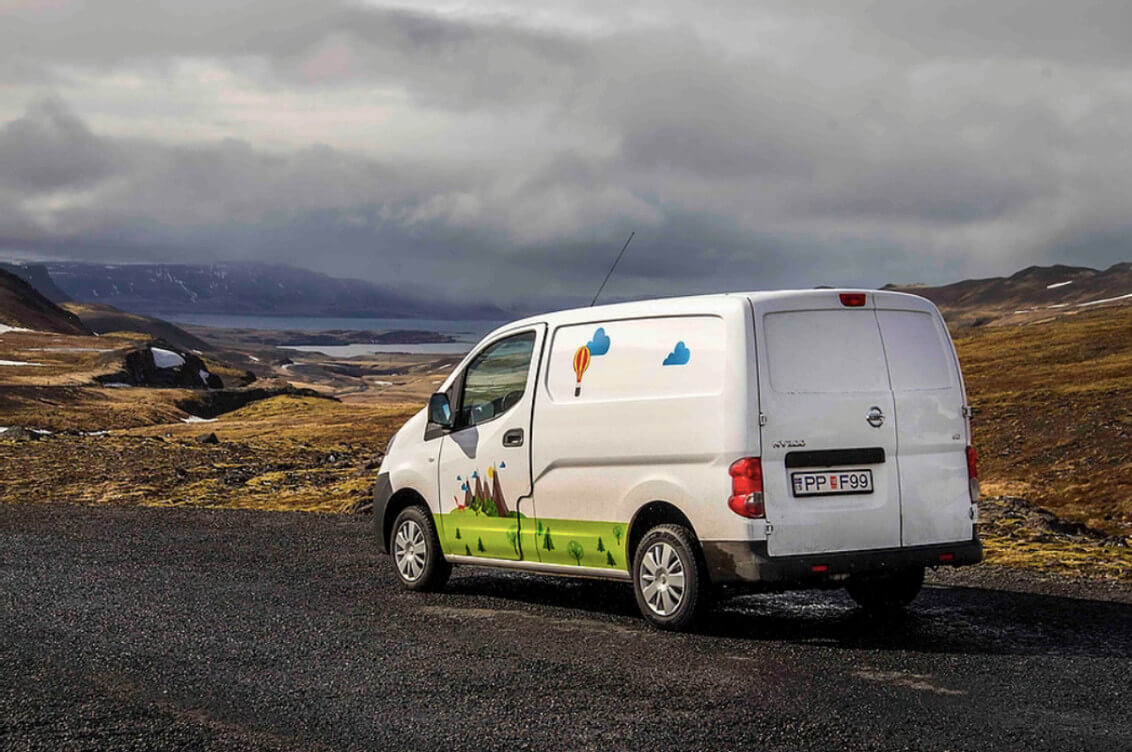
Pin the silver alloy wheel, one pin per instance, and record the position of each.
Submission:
(409, 550)
(661, 579)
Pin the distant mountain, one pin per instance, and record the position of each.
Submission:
(246, 289)
(1033, 293)
(23, 307)
(38, 277)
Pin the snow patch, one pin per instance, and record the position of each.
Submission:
(383, 383)
(1056, 285)
(69, 349)
(18, 363)
(117, 385)
(1105, 300)
(166, 358)
(197, 419)
(4, 329)
(203, 376)
(254, 358)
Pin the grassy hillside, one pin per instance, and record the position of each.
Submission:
(1053, 420)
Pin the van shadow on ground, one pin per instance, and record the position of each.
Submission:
(949, 620)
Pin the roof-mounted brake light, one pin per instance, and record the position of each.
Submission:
(853, 299)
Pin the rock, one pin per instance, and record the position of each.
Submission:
(18, 433)
(208, 438)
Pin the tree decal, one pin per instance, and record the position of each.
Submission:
(618, 532)
(547, 541)
(457, 533)
(479, 546)
(513, 538)
(609, 560)
(467, 549)
(575, 550)
(600, 545)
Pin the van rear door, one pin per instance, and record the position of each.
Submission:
(829, 439)
(931, 429)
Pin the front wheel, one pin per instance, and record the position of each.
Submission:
(420, 564)
(669, 580)
(886, 592)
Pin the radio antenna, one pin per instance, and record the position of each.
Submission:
(615, 263)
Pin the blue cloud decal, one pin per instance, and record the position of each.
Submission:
(599, 345)
(679, 356)
(502, 465)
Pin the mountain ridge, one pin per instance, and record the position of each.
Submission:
(1029, 294)
(246, 288)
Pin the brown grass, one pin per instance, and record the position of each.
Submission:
(1053, 416)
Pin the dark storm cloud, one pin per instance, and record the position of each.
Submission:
(50, 148)
(763, 146)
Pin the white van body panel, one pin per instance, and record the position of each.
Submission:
(822, 369)
(932, 428)
(411, 463)
(640, 431)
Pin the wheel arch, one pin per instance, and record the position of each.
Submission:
(398, 502)
(657, 512)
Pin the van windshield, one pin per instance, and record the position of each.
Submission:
(825, 351)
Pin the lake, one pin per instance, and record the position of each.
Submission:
(466, 332)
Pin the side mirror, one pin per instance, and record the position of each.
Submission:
(440, 410)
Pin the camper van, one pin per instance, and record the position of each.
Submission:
(696, 447)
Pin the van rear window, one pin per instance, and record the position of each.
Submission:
(917, 355)
(825, 351)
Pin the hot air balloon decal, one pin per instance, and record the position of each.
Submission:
(581, 363)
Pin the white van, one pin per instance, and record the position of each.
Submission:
(696, 447)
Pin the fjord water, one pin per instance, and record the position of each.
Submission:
(465, 332)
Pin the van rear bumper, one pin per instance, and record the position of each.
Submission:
(736, 562)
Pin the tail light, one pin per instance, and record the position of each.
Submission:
(747, 488)
(853, 299)
(973, 473)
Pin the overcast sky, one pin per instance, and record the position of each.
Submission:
(506, 149)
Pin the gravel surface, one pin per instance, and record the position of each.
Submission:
(130, 628)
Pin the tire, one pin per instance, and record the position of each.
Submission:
(889, 592)
(670, 580)
(415, 550)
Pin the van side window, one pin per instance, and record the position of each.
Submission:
(496, 379)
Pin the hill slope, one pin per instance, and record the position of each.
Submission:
(1033, 293)
(38, 277)
(102, 318)
(246, 288)
(21, 305)
(1053, 413)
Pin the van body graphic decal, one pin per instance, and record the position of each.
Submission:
(599, 343)
(679, 356)
(581, 363)
(482, 524)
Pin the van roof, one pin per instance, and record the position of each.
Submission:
(692, 304)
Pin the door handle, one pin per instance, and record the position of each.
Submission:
(513, 438)
(875, 417)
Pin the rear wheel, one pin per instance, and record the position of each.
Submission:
(418, 560)
(886, 592)
(669, 580)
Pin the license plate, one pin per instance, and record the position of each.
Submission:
(830, 482)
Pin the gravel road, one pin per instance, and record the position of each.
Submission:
(167, 629)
